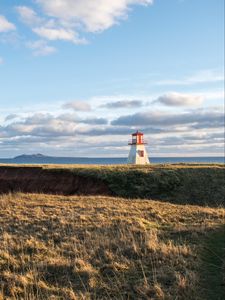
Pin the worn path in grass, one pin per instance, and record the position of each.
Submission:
(213, 265)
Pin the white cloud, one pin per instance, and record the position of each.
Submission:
(178, 99)
(46, 28)
(93, 135)
(203, 76)
(28, 15)
(5, 25)
(77, 106)
(53, 34)
(41, 48)
(206, 76)
(66, 19)
(93, 15)
(212, 95)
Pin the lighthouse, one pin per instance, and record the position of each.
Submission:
(138, 154)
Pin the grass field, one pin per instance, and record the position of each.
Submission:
(96, 247)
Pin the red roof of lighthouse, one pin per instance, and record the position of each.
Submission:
(137, 133)
(137, 138)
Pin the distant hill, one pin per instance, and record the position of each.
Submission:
(33, 158)
(44, 159)
(30, 156)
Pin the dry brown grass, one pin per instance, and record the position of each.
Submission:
(56, 247)
(151, 166)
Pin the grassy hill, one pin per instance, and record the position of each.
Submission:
(96, 247)
(184, 184)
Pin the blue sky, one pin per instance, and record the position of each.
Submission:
(78, 76)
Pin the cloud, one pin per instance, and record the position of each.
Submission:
(203, 118)
(124, 104)
(93, 16)
(212, 95)
(5, 25)
(117, 131)
(41, 48)
(47, 28)
(38, 119)
(54, 34)
(193, 137)
(72, 117)
(95, 121)
(28, 15)
(203, 76)
(65, 20)
(77, 106)
(50, 128)
(11, 117)
(178, 99)
(46, 124)
(187, 132)
(106, 131)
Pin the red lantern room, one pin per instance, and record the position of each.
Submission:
(137, 138)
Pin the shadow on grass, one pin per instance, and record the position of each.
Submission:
(213, 264)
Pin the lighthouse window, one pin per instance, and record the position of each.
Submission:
(141, 153)
(134, 139)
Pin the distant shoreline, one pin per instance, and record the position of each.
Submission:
(30, 159)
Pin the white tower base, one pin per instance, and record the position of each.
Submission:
(138, 155)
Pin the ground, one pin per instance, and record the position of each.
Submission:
(101, 247)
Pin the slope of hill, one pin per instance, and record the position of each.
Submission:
(191, 184)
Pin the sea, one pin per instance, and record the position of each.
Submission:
(108, 160)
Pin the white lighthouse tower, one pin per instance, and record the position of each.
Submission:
(138, 154)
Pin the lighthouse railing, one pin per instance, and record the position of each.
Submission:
(131, 142)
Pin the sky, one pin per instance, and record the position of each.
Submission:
(77, 77)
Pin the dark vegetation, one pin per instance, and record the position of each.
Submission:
(183, 184)
(213, 265)
(187, 185)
